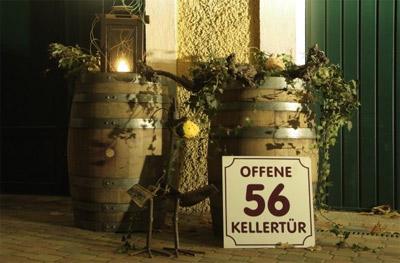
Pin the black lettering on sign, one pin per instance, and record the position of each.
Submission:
(250, 196)
(302, 227)
(245, 171)
(260, 227)
(274, 198)
(235, 227)
(274, 227)
(268, 171)
(288, 171)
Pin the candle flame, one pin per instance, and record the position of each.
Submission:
(122, 65)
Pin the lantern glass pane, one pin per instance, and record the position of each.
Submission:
(121, 49)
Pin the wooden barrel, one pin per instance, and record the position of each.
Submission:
(104, 162)
(263, 121)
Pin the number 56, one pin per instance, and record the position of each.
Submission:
(272, 200)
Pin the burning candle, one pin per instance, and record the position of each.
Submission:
(122, 65)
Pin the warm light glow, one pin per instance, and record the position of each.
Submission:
(122, 65)
(294, 133)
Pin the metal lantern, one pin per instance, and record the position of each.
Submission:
(122, 40)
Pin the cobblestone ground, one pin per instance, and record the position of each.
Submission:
(40, 229)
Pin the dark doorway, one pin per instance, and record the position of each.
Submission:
(34, 105)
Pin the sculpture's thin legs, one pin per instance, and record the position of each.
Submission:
(177, 249)
(148, 248)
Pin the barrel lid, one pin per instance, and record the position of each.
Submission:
(110, 123)
(89, 78)
(265, 106)
(274, 83)
(120, 97)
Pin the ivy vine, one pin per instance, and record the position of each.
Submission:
(74, 60)
(328, 100)
(331, 101)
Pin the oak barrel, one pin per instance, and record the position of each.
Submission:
(103, 161)
(262, 121)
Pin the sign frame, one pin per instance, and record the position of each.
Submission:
(309, 239)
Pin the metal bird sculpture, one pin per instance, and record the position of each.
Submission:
(164, 189)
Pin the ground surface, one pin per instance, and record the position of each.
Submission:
(40, 229)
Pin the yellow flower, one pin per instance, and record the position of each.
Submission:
(275, 63)
(190, 129)
(324, 73)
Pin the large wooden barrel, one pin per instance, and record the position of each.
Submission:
(262, 121)
(104, 162)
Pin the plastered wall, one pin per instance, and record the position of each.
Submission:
(210, 28)
(216, 28)
(182, 29)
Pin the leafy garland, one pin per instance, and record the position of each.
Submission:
(218, 73)
(73, 60)
(334, 100)
(328, 100)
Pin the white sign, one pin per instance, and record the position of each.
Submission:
(267, 201)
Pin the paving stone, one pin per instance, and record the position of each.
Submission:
(315, 260)
(339, 257)
(79, 250)
(12, 247)
(391, 250)
(12, 243)
(240, 258)
(267, 255)
(388, 258)
(346, 252)
(244, 252)
(213, 260)
(218, 255)
(363, 260)
(16, 259)
(318, 254)
(43, 257)
(191, 259)
(297, 252)
(262, 260)
(272, 251)
(290, 261)
(25, 241)
(289, 257)
(7, 251)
